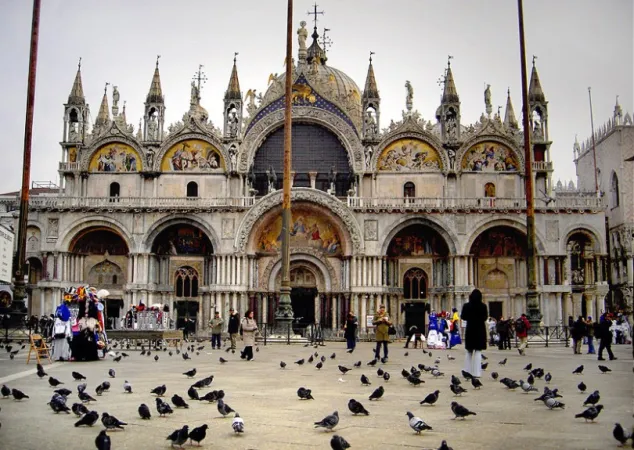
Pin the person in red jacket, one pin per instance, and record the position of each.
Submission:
(522, 325)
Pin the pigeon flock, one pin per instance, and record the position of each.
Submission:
(78, 396)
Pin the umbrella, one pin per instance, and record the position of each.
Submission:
(102, 293)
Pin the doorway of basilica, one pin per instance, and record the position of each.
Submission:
(303, 294)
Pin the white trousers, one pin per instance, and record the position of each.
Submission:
(472, 363)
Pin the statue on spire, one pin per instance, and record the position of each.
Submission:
(302, 35)
(487, 100)
(409, 99)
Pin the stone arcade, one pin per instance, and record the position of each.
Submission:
(417, 212)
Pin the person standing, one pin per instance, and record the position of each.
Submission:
(249, 328)
(475, 313)
(381, 322)
(605, 336)
(502, 327)
(350, 331)
(590, 334)
(216, 330)
(411, 333)
(61, 334)
(233, 328)
(522, 325)
(578, 331)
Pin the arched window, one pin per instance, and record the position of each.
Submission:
(186, 282)
(489, 190)
(415, 284)
(615, 190)
(409, 190)
(115, 191)
(192, 189)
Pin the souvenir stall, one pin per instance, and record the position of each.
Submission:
(89, 341)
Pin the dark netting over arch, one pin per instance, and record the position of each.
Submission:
(315, 149)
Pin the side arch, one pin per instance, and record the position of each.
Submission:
(160, 225)
(511, 223)
(442, 229)
(64, 241)
(590, 232)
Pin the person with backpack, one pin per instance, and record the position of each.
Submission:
(522, 325)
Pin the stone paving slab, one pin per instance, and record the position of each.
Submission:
(265, 396)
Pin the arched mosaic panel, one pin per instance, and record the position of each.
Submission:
(490, 157)
(409, 155)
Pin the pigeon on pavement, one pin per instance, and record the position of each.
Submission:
(282, 364)
(89, 419)
(127, 387)
(193, 393)
(338, 443)
(619, 434)
(112, 373)
(582, 387)
(343, 369)
(54, 382)
(79, 409)
(18, 394)
(111, 422)
(224, 409)
(237, 424)
(527, 387)
(460, 411)
(476, 383)
(365, 381)
(190, 373)
(416, 423)
(159, 390)
(552, 403)
(163, 407)
(592, 399)
(102, 441)
(179, 437)
(457, 390)
(144, 412)
(329, 422)
(5, 391)
(604, 369)
(305, 394)
(528, 366)
(377, 394)
(356, 407)
(444, 446)
(178, 401)
(578, 370)
(590, 413)
(198, 434)
(78, 376)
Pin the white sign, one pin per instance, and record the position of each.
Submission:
(6, 255)
(368, 321)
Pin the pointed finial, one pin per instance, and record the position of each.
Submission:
(449, 58)
(534, 58)
(105, 89)
(79, 64)
(235, 57)
(157, 60)
(371, 53)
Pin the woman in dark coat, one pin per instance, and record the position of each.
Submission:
(475, 313)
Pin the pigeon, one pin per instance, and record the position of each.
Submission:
(223, 408)
(179, 402)
(365, 381)
(322, 359)
(300, 362)
(444, 446)
(338, 443)
(386, 376)
(102, 441)
(282, 364)
(477, 384)
(5, 391)
(405, 373)
(127, 387)
(356, 407)
(190, 373)
(79, 409)
(193, 393)
(99, 389)
(329, 422)
(548, 377)
(78, 376)
(531, 379)
(578, 370)
(159, 390)
(457, 390)
(377, 394)
(592, 399)
(18, 394)
(384, 360)
(319, 365)
(82, 387)
(552, 403)
(343, 369)
(431, 398)
(89, 419)
(494, 375)
(54, 382)
(144, 412)
(619, 434)
(304, 394)
(105, 386)
(357, 364)
(111, 422)
(528, 367)
(209, 397)
(85, 397)
(604, 369)
(222, 360)
(416, 423)
(379, 372)
(590, 413)
(237, 424)
(117, 359)
(198, 433)
(526, 387)
(460, 411)
(484, 366)
(58, 404)
(510, 384)
(333, 356)
(40, 373)
(63, 392)
(503, 362)
(466, 375)
(156, 358)
(179, 437)
(112, 373)
(582, 387)
(451, 358)
(455, 380)
(163, 407)
(373, 362)
(311, 359)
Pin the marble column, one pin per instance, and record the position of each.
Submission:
(362, 320)
(630, 270)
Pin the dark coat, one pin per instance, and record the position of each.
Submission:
(351, 328)
(604, 330)
(475, 313)
(234, 323)
(578, 329)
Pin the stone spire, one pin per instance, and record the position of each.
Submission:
(535, 91)
(450, 93)
(155, 94)
(76, 96)
(618, 113)
(509, 115)
(371, 90)
(233, 90)
(103, 117)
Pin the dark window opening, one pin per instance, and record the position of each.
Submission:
(192, 189)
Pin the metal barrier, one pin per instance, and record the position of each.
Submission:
(548, 336)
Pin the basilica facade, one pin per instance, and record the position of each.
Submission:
(411, 213)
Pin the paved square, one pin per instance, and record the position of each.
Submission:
(265, 396)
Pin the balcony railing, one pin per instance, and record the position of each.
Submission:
(68, 166)
(139, 202)
(543, 165)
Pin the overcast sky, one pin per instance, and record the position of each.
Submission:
(579, 43)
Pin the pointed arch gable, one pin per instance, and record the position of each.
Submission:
(192, 154)
(427, 142)
(128, 145)
(442, 229)
(162, 224)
